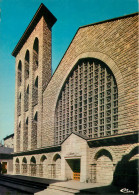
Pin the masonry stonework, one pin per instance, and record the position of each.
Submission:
(112, 96)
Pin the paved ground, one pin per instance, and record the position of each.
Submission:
(77, 185)
(87, 189)
(9, 191)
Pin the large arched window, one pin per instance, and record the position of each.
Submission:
(88, 102)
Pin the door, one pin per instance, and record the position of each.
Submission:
(4, 167)
(76, 169)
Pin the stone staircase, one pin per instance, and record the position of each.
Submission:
(75, 187)
(26, 184)
(58, 189)
(66, 188)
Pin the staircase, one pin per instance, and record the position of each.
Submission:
(26, 184)
(75, 187)
(59, 189)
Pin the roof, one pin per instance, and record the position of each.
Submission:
(6, 150)
(76, 133)
(96, 23)
(111, 20)
(42, 11)
(7, 137)
(54, 148)
(117, 139)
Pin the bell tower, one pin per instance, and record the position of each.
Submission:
(33, 73)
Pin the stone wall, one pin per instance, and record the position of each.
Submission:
(110, 164)
(9, 142)
(115, 43)
(74, 147)
(47, 165)
(32, 86)
(104, 165)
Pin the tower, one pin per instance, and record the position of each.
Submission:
(33, 72)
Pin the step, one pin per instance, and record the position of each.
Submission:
(23, 182)
(53, 192)
(63, 188)
(18, 187)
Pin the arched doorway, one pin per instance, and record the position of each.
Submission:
(24, 166)
(126, 172)
(17, 166)
(33, 166)
(42, 166)
(104, 167)
(56, 166)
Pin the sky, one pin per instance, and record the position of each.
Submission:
(15, 16)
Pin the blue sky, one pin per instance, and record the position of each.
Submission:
(71, 14)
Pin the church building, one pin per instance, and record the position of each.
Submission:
(81, 123)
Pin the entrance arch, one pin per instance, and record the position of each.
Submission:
(17, 166)
(104, 167)
(56, 166)
(24, 166)
(33, 166)
(126, 172)
(42, 165)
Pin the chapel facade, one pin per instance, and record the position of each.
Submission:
(82, 122)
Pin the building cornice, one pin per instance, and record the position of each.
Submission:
(118, 139)
(126, 138)
(49, 149)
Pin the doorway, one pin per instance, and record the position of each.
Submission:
(4, 167)
(74, 168)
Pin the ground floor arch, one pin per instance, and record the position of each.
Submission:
(104, 170)
(24, 166)
(102, 167)
(17, 166)
(33, 166)
(42, 166)
(126, 172)
(56, 166)
(113, 164)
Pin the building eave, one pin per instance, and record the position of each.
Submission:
(55, 148)
(7, 137)
(92, 24)
(111, 20)
(118, 139)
